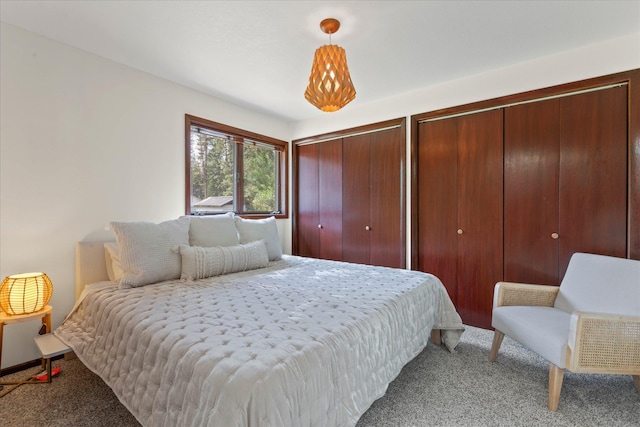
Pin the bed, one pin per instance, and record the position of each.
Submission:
(297, 342)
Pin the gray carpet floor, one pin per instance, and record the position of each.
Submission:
(437, 388)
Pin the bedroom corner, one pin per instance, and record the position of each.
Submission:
(84, 141)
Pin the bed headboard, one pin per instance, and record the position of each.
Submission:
(91, 265)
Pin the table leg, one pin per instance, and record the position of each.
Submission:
(1, 331)
(47, 322)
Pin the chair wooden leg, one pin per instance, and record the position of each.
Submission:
(636, 379)
(556, 375)
(497, 341)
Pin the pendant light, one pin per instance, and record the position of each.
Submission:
(330, 87)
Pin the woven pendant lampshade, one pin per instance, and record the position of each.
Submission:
(330, 87)
(25, 293)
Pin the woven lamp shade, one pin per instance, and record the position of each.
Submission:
(25, 293)
(330, 87)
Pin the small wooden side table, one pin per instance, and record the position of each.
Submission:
(50, 346)
(5, 319)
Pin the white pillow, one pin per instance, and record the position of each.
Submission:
(145, 250)
(251, 230)
(215, 230)
(200, 262)
(112, 257)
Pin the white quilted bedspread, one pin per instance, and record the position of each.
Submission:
(303, 342)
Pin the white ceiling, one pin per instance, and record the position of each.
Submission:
(258, 54)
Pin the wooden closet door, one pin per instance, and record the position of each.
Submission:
(480, 219)
(330, 199)
(437, 219)
(460, 187)
(387, 233)
(356, 200)
(593, 174)
(531, 175)
(308, 207)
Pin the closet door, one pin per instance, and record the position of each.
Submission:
(460, 186)
(480, 219)
(356, 216)
(330, 199)
(531, 198)
(373, 198)
(438, 201)
(308, 208)
(593, 174)
(387, 233)
(565, 183)
(319, 220)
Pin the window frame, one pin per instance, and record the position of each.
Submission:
(239, 135)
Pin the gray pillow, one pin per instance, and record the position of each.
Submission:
(145, 250)
(200, 262)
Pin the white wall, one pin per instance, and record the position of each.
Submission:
(83, 141)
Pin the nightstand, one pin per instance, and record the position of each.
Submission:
(5, 319)
(50, 346)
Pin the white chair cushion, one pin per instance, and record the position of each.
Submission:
(544, 330)
(600, 284)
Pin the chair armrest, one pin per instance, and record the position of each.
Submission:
(509, 293)
(604, 343)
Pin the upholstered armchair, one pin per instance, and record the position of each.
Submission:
(589, 324)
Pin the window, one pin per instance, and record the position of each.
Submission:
(230, 169)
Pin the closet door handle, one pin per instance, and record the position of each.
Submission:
(554, 235)
(460, 231)
(367, 228)
(319, 225)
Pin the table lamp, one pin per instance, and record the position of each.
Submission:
(20, 296)
(25, 293)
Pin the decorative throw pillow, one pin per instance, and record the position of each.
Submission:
(112, 257)
(200, 262)
(251, 230)
(145, 250)
(215, 230)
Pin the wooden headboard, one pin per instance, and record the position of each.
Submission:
(91, 264)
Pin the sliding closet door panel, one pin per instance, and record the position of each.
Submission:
(387, 233)
(356, 199)
(531, 170)
(480, 219)
(593, 174)
(330, 199)
(307, 220)
(438, 201)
